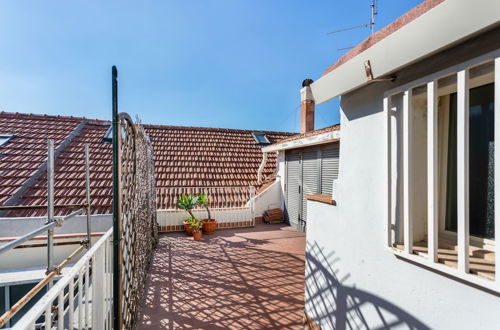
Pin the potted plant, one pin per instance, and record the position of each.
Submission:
(196, 225)
(187, 225)
(187, 203)
(209, 224)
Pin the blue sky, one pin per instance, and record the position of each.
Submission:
(218, 63)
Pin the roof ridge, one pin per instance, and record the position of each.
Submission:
(46, 116)
(101, 121)
(217, 129)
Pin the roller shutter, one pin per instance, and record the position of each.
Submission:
(310, 180)
(329, 167)
(293, 200)
(309, 171)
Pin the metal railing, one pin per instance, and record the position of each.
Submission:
(49, 226)
(218, 197)
(230, 206)
(82, 298)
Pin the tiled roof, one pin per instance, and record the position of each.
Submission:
(184, 157)
(69, 176)
(309, 134)
(207, 157)
(20, 157)
(386, 31)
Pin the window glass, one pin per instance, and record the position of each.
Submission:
(481, 163)
(261, 138)
(5, 138)
(108, 137)
(17, 292)
(2, 302)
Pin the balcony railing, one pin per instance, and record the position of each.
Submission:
(82, 298)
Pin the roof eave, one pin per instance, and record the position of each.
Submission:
(442, 27)
(304, 142)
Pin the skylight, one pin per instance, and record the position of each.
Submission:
(108, 137)
(260, 138)
(4, 138)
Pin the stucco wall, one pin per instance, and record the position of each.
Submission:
(271, 198)
(352, 280)
(14, 227)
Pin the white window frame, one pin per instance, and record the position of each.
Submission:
(462, 72)
(7, 138)
(256, 138)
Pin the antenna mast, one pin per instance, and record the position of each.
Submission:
(371, 24)
(374, 13)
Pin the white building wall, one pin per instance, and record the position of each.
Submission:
(14, 227)
(352, 280)
(271, 198)
(229, 215)
(281, 174)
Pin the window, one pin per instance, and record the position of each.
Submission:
(441, 171)
(260, 138)
(481, 164)
(4, 138)
(11, 293)
(108, 137)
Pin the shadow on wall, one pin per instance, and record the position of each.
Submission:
(336, 306)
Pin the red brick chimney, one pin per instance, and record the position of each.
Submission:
(306, 107)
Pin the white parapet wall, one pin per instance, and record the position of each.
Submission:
(172, 220)
(15, 227)
(270, 198)
(33, 253)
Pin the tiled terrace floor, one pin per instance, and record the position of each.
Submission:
(235, 279)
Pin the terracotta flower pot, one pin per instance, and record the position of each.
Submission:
(188, 228)
(209, 226)
(197, 235)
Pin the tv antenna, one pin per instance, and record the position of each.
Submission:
(371, 25)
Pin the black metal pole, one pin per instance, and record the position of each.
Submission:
(116, 206)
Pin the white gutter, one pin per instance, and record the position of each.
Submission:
(261, 167)
(304, 142)
(441, 27)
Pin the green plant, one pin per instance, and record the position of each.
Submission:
(196, 225)
(203, 201)
(190, 220)
(187, 203)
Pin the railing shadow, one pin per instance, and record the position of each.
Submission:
(334, 305)
(222, 284)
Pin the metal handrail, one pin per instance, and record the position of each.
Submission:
(40, 285)
(52, 222)
(166, 200)
(26, 207)
(65, 281)
(20, 240)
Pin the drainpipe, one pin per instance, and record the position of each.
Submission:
(261, 167)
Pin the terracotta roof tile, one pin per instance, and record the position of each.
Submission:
(21, 156)
(184, 157)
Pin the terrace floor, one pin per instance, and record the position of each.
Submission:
(250, 278)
